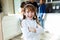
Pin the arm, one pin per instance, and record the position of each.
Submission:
(32, 29)
(25, 30)
(44, 11)
(39, 30)
(44, 16)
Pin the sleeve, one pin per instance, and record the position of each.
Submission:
(44, 16)
(25, 30)
(39, 30)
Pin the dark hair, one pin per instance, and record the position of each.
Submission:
(31, 8)
(22, 4)
(44, 1)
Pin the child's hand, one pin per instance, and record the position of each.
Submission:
(31, 29)
(34, 30)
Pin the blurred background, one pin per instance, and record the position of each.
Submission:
(9, 9)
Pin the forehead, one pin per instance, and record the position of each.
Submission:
(30, 9)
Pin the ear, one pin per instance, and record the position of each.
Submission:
(34, 16)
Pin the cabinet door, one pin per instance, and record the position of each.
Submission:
(55, 0)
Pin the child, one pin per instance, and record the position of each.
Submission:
(22, 9)
(41, 12)
(31, 28)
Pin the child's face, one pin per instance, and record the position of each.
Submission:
(41, 1)
(29, 14)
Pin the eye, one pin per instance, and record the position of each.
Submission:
(27, 11)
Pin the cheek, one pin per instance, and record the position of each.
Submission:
(33, 14)
(26, 14)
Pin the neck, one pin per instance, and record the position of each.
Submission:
(30, 18)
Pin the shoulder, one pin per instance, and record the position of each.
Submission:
(44, 5)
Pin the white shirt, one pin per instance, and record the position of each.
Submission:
(31, 35)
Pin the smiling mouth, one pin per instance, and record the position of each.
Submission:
(30, 16)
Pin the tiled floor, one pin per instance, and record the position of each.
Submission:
(45, 36)
(17, 37)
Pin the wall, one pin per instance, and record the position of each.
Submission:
(8, 6)
(17, 4)
(0, 28)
